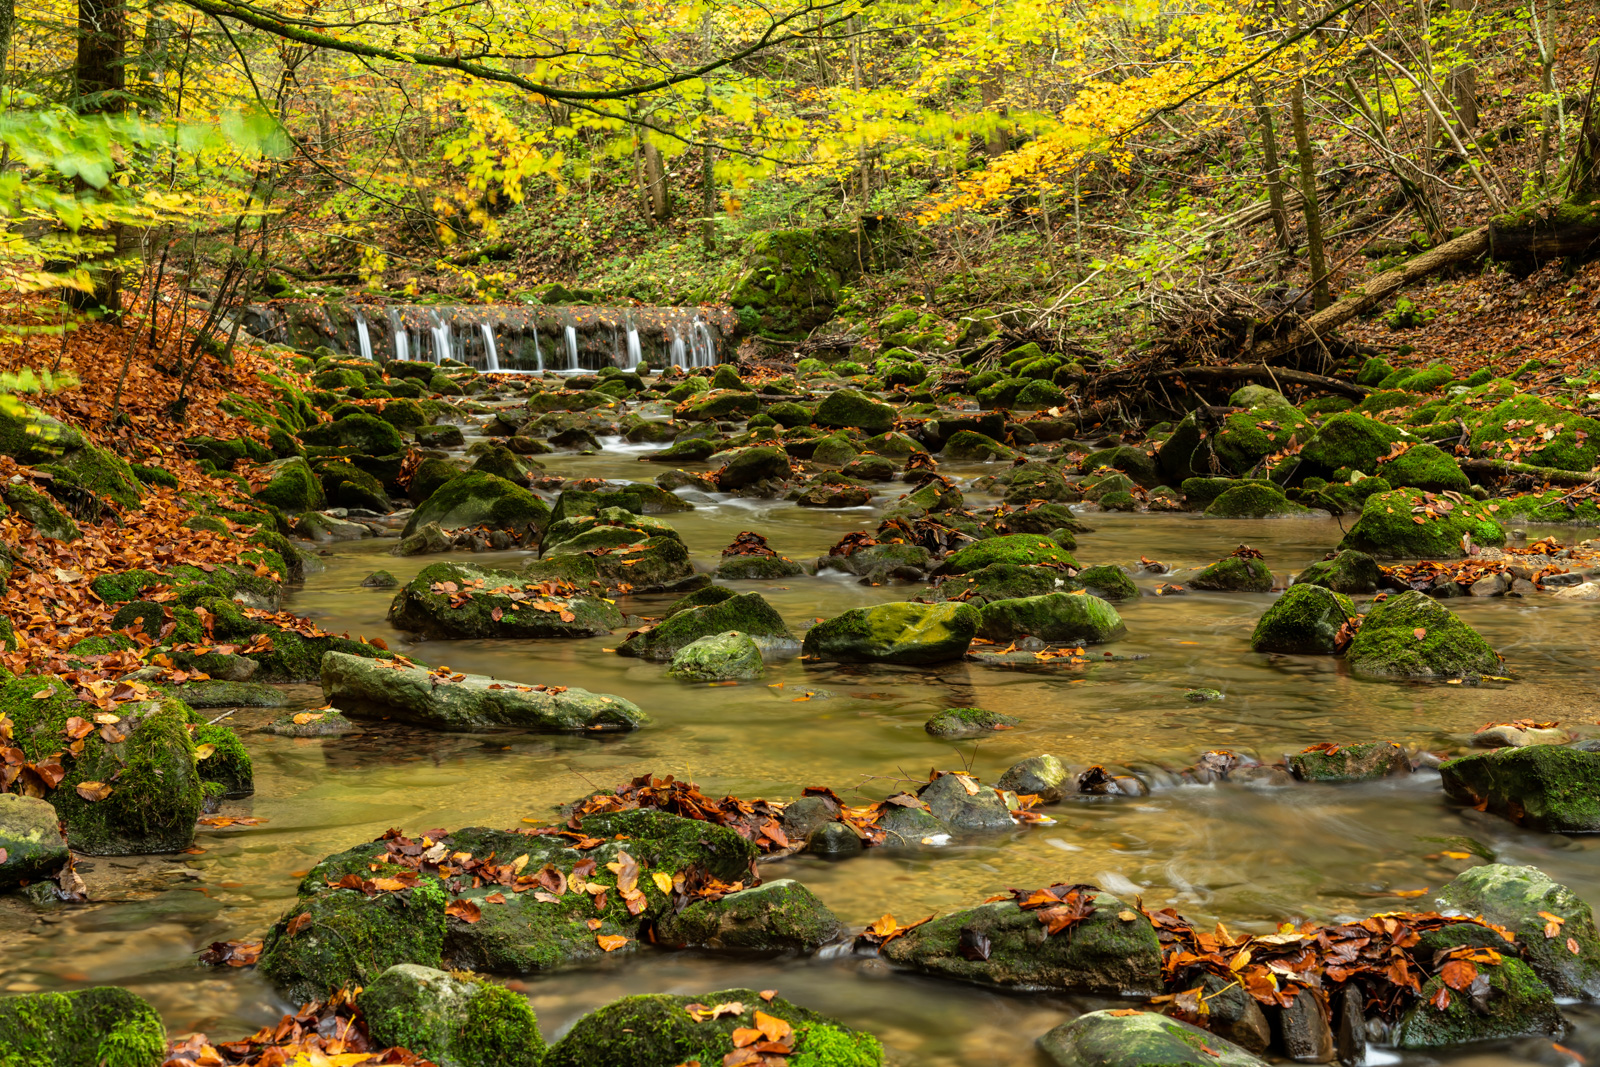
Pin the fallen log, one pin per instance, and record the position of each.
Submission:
(1260, 372)
(1468, 246)
(1531, 238)
(1551, 475)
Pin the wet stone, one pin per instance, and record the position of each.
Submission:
(1043, 776)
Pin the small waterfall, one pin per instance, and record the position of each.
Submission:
(572, 348)
(363, 337)
(491, 356)
(443, 340)
(704, 351)
(538, 353)
(635, 355)
(402, 343)
(679, 352)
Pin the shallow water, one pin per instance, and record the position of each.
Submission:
(1252, 857)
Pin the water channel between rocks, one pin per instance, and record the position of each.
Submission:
(1250, 857)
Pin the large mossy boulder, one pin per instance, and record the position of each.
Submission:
(1253, 500)
(1516, 1004)
(372, 689)
(480, 499)
(906, 633)
(723, 657)
(453, 600)
(972, 445)
(1408, 524)
(1352, 441)
(1522, 899)
(1112, 952)
(451, 1020)
(145, 763)
(751, 465)
(849, 409)
(359, 432)
(1238, 573)
(1424, 466)
(1021, 550)
(1131, 1038)
(1554, 788)
(99, 471)
(1059, 618)
(292, 486)
(779, 916)
(1414, 636)
(1569, 441)
(748, 613)
(1306, 619)
(1345, 572)
(658, 1030)
(337, 934)
(103, 1027)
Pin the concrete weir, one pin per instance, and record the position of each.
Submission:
(501, 338)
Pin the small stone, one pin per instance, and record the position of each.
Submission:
(968, 722)
(1307, 1036)
(380, 580)
(833, 839)
(1045, 777)
(1201, 696)
(30, 837)
(1508, 736)
(950, 802)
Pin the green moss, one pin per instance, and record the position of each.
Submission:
(1059, 618)
(852, 409)
(1388, 528)
(1551, 788)
(102, 1027)
(1518, 1005)
(478, 499)
(1388, 644)
(1424, 466)
(1253, 501)
(972, 445)
(1305, 619)
(894, 633)
(1022, 550)
(365, 433)
(748, 613)
(294, 487)
(229, 764)
(1346, 572)
(1247, 438)
(1350, 440)
(41, 512)
(1525, 419)
(103, 473)
(1235, 574)
(964, 722)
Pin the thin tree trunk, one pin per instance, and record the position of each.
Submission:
(655, 177)
(708, 178)
(1583, 178)
(1321, 292)
(1464, 79)
(996, 141)
(100, 84)
(1274, 171)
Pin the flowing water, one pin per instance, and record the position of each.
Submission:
(1252, 857)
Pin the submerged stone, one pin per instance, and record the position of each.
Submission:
(373, 689)
(1043, 776)
(906, 632)
(968, 722)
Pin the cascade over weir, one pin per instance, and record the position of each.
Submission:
(503, 338)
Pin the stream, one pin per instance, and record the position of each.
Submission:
(1251, 857)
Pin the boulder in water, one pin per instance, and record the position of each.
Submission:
(30, 837)
(451, 1020)
(747, 613)
(1346, 572)
(968, 722)
(1554, 788)
(480, 499)
(452, 600)
(1306, 619)
(730, 656)
(1059, 618)
(1519, 898)
(103, 1027)
(1516, 1004)
(906, 632)
(1131, 1038)
(1414, 636)
(1349, 763)
(779, 916)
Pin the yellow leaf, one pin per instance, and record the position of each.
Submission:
(206, 751)
(663, 881)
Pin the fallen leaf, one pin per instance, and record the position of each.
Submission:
(465, 910)
(93, 791)
(610, 942)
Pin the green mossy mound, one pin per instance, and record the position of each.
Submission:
(730, 656)
(1018, 550)
(656, 1030)
(1254, 500)
(1518, 1005)
(1389, 528)
(1349, 763)
(421, 608)
(1424, 466)
(1124, 1038)
(968, 722)
(747, 613)
(907, 633)
(1350, 441)
(1059, 618)
(777, 916)
(452, 1021)
(1388, 644)
(479, 499)
(1347, 572)
(104, 1027)
(971, 445)
(1516, 897)
(1235, 574)
(1306, 619)
(1554, 788)
(366, 434)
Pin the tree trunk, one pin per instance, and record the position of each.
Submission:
(1321, 293)
(99, 77)
(1583, 177)
(1464, 79)
(996, 141)
(1274, 171)
(708, 177)
(655, 184)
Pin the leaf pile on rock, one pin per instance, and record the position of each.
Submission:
(322, 1032)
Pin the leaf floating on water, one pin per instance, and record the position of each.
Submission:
(1408, 893)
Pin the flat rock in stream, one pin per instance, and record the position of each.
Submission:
(453, 600)
(1112, 952)
(338, 933)
(373, 689)
(1132, 1038)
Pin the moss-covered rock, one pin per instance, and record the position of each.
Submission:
(778, 916)
(1306, 619)
(479, 499)
(103, 1027)
(30, 836)
(728, 404)
(1108, 582)
(848, 409)
(1516, 428)
(1514, 897)
(1555, 788)
(1004, 581)
(366, 434)
(1351, 441)
(1254, 500)
(656, 1030)
(1346, 572)
(1246, 438)
(968, 722)
(498, 605)
(454, 1021)
(1424, 466)
(155, 792)
(972, 445)
(757, 568)
(730, 656)
(103, 473)
(1413, 636)
(293, 487)
(1349, 763)
(1059, 618)
(1235, 574)
(1020, 550)
(364, 689)
(1405, 524)
(1518, 1004)
(751, 465)
(1104, 954)
(747, 613)
(1124, 1038)
(906, 632)
(38, 509)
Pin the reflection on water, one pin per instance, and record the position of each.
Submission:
(1253, 857)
